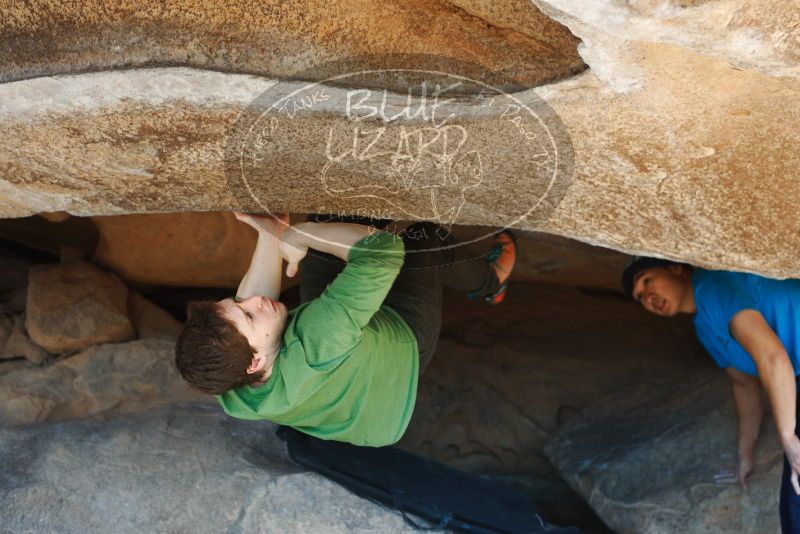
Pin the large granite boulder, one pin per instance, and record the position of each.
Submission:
(660, 456)
(72, 306)
(681, 132)
(173, 469)
(749, 35)
(122, 377)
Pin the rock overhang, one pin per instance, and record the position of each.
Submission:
(281, 39)
(684, 146)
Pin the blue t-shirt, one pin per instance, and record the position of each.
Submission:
(719, 295)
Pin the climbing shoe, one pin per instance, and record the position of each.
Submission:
(502, 258)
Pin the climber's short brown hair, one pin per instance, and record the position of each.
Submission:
(211, 354)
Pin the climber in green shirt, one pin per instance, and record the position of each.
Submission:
(344, 364)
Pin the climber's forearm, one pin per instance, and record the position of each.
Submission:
(263, 277)
(334, 238)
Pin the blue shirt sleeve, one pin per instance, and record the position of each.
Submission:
(719, 296)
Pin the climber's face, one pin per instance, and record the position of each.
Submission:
(260, 320)
(664, 291)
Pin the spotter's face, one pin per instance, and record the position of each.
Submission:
(662, 290)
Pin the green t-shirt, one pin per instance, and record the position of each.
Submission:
(348, 366)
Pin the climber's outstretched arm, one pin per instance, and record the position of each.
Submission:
(263, 277)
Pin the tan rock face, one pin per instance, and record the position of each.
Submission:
(675, 167)
(181, 249)
(55, 216)
(76, 305)
(684, 131)
(747, 34)
(206, 249)
(280, 39)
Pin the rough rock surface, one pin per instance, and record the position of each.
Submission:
(75, 305)
(123, 377)
(750, 35)
(177, 249)
(674, 468)
(14, 269)
(506, 378)
(670, 166)
(680, 124)
(683, 130)
(150, 321)
(15, 343)
(173, 469)
(280, 39)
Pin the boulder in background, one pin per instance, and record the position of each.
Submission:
(122, 377)
(660, 456)
(72, 306)
(172, 469)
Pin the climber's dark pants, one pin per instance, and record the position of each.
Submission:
(790, 501)
(431, 262)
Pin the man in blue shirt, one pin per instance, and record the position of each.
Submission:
(751, 327)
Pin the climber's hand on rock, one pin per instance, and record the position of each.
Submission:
(274, 224)
(745, 467)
